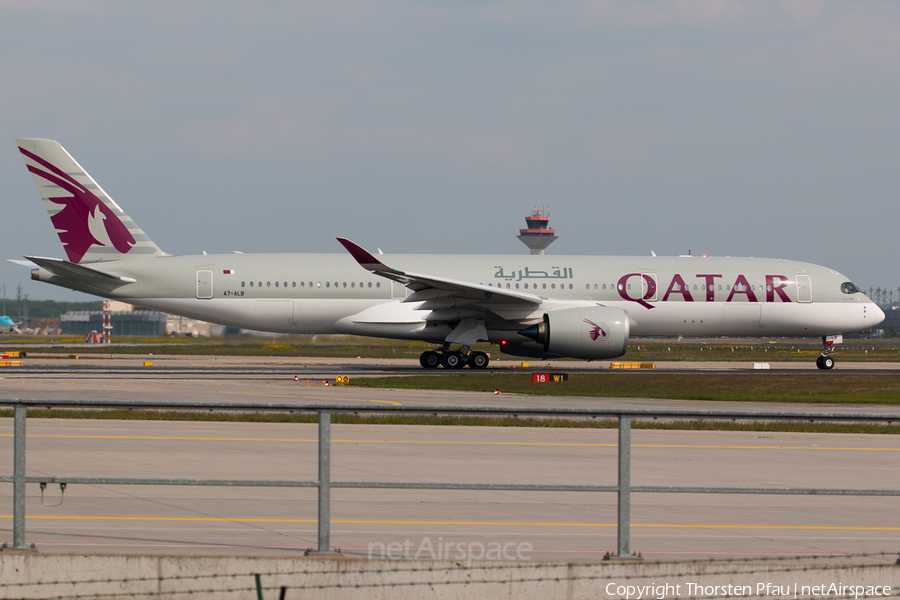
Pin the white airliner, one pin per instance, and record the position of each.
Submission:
(537, 306)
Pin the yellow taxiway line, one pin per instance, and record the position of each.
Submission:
(467, 523)
(450, 443)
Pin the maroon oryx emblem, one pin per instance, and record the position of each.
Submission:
(596, 330)
(83, 221)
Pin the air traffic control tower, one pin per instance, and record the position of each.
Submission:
(538, 235)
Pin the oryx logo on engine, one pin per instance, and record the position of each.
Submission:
(596, 330)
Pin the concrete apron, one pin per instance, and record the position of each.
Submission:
(72, 576)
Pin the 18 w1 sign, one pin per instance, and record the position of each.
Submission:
(549, 377)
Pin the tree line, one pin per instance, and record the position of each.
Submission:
(46, 309)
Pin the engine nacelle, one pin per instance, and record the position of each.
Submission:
(589, 332)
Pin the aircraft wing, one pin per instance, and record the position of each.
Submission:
(64, 268)
(451, 300)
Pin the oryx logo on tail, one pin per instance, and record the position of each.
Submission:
(84, 220)
(596, 330)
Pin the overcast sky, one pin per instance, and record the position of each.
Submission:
(722, 127)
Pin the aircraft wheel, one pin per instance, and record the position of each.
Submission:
(825, 362)
(430, 359)
(453, 360)
(478, 360)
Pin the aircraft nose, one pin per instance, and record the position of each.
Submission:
(876, 313)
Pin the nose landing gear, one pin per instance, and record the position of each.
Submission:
(825, 361)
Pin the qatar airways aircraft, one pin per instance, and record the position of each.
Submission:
(537, 306)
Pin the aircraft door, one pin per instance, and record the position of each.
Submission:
(204, 284)
(804, 288)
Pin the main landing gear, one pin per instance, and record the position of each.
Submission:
(453, 359)
(824, 360)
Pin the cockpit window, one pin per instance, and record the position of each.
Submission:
(849, 288)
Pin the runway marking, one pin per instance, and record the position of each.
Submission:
(438, 442)
(479, 523)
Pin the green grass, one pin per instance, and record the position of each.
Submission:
(282, 346)
(815, 387)
(803, 350)
(336, 346)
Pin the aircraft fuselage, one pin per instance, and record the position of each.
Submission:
(331, 293)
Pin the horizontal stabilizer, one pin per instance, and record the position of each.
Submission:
(22, 263)
(63, 268)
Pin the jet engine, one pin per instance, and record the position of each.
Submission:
(590, 332)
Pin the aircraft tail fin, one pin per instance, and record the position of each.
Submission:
(90, 225)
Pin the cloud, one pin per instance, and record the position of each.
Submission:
(677, 12)
(50, 6)
(266, 124)
(868, 36)
(330, 122)
(620, 151)
(803, 12)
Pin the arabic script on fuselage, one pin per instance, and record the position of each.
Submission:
(529, 273)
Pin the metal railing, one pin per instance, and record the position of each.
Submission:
(623, 488)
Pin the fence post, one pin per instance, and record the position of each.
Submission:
(623, 552)
(624, 527)
(324, 483)
(19, 478)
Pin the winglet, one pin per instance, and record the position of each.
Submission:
(363, 257)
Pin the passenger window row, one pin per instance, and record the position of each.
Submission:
(304, 284)
(562, 286)
(602, 286)
(543, 286)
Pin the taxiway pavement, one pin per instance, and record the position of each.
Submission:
(543, 525)
(539, 525)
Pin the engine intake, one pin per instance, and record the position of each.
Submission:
(590, 332)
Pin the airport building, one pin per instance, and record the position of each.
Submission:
(126, 321)
(134, 322)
